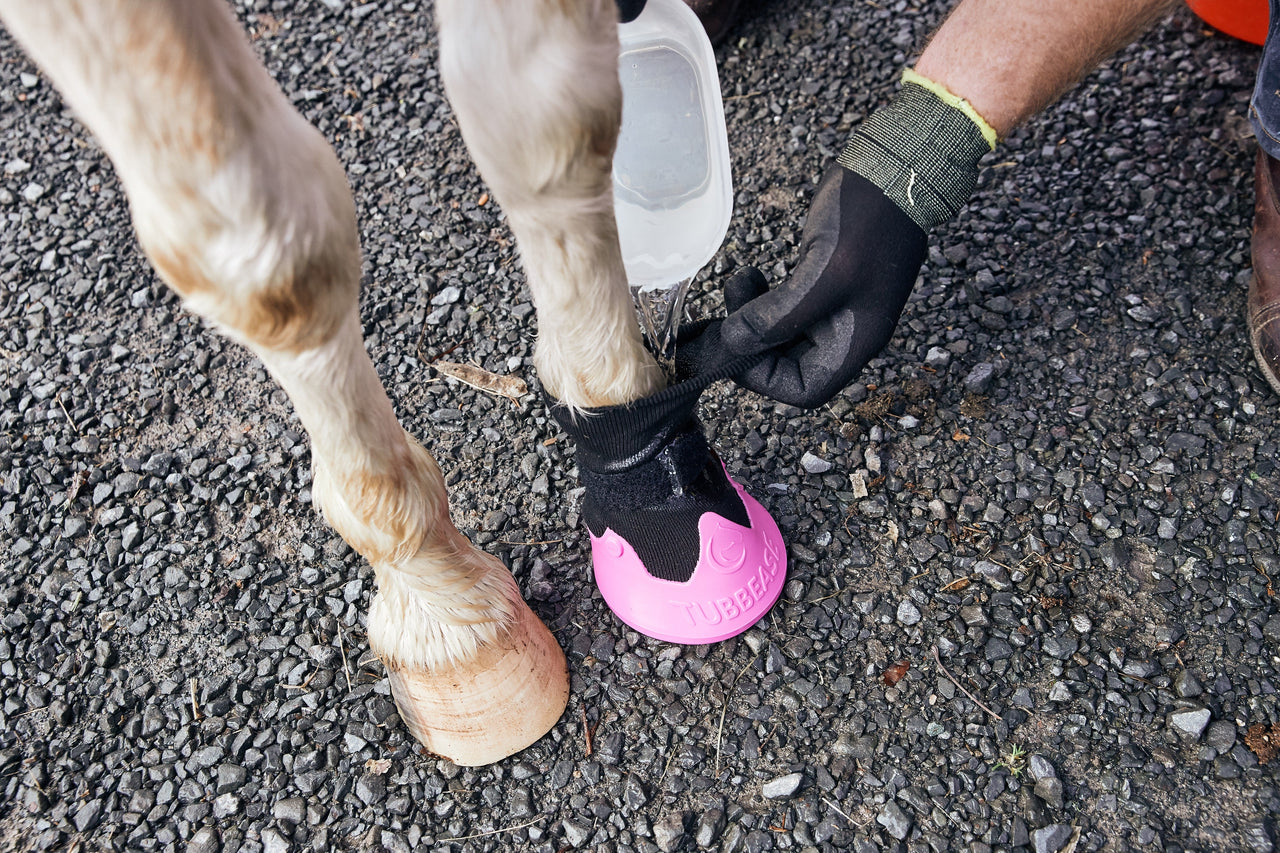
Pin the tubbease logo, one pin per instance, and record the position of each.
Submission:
(726, 548)
(742, 599)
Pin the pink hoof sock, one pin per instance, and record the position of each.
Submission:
(681, 552)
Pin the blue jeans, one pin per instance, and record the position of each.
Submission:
(1264, 109)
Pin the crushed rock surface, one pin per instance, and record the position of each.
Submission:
(1060, 478)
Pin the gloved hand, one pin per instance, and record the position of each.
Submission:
(629, 10)
(910, 166)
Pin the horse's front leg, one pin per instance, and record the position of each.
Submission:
(680, 551)
(534, 84)
(244, 210)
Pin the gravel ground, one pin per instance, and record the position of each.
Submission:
(1033, 551)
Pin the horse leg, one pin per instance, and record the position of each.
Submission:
(534, 84)
(244, 210)
(680, 551)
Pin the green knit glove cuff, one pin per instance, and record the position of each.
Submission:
(922, 153)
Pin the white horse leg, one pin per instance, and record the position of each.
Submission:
(534, 84)
(245, 211)
(680, 551)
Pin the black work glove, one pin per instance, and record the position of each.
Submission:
(629, 10)
(910, 166)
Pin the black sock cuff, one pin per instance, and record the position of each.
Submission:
(616, 439)
(668, 473)
(648, 471)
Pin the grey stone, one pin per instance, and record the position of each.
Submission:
(125, 484)
(1052, 838)
(88, 816)
(131, 537)
(979, 378)
(1050, 790)
(668, 831)
(895, 821)
(782, 787)
(205, 757)
(814, 464)
(1221, 735)
(292, 810)
(274, 842)
(371, 789)
(908, 613)
(998, 649)
(205, 840)
(1040, 768)
(1186, 685)
(1060, 647)
(230, 778)
(1139, 668)
(711, 824)
(1190, 722)
(225, 805)
(993, 573)
(635, 794)
(575, 833)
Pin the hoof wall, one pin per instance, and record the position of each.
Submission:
(484, 710)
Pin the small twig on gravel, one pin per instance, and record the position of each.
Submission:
(724, 706)
(68, 414)
(670, 758)
(843, 815)
(956, 585)
(509, 386)
(492, 831)
(586, 730)
(538, 542)
(342, 647)
(195, 710)
(947, 813)
(768, 736)
(832, 595)
(1263, 572)
(963, 689)
(304, 685)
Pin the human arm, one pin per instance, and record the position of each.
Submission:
(992, 63)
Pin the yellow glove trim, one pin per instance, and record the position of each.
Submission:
(910, 75)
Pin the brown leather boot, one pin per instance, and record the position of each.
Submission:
(717, 16)
(1264, 290)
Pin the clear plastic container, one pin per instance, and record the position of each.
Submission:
(673, 192)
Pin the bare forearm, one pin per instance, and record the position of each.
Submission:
(1012, 58)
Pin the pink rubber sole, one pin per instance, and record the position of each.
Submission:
(739, 576)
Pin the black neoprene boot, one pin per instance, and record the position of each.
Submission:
(681, 552)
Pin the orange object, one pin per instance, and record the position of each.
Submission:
(1244, 19)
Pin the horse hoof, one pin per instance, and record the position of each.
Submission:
(486, 709)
